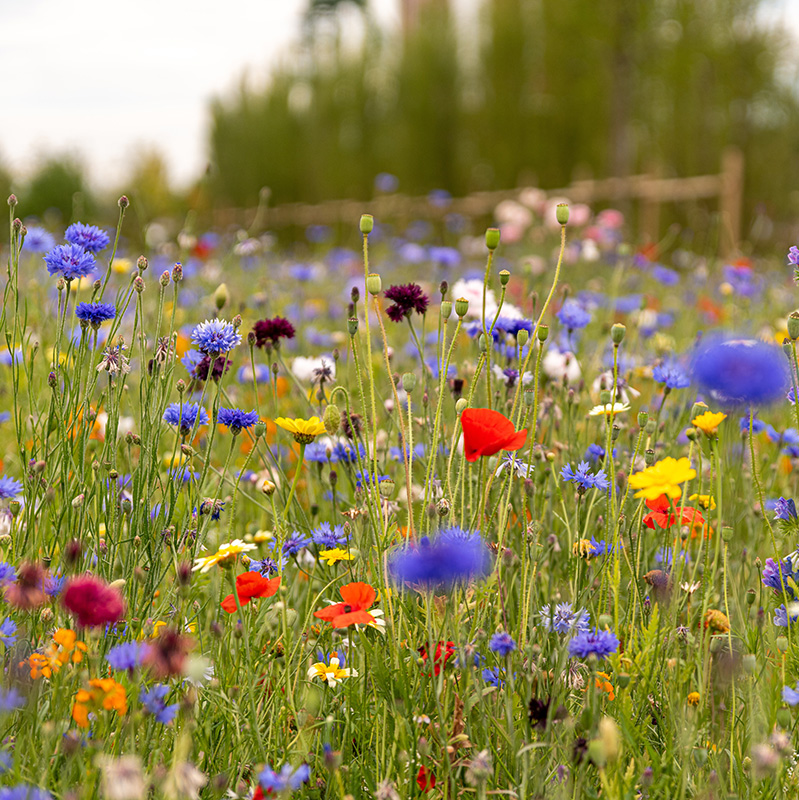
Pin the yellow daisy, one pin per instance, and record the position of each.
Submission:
(334, 555)
(225, 553)
(704, 500)
(331, 673)
(709, 422)
(304, 430)
(661, 478)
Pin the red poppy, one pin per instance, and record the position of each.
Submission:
(249, 585)
(444, 651)
(358, 597)
(662, 516)
(425, 779)
(486, 432)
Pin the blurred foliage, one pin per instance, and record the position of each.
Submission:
(148, 188)
(541, 91)
(57, 191)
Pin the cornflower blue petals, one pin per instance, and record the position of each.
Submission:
(95, 314)
(785, 510)
(268, 566)
(664, 275)
(444, 562)
(295, 543)
(328, 536)
(91, 238)
(573, 315)
(7, 574)
(153, 701)
(601, 548)
(127, 656)
(583, 478)
(564, 619)
(215, 336)
(781, 616)
(38, 240)
(772, 573)
(494, 676)
(741, 372)
(593, 643)
(519, 466)
(287, 779)
(793, 256)
(237, 420)
(502, 643)
(8, 632)
(673, 375)
(185, 415)
(790, 696)
(10, 700)
(9, 488)
(70, 261)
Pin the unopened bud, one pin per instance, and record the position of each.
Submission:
(352, 325)
(461, 307)
(543, 333)
(367, 223)
(374, 284)
(259, 429)
(332, 419)
(164, 279)
(138, 284)
(504, 277)
(142, 263)
(408, 382)
(522, 337)
(446, 309)
(177, 272)
(461, 405)
(492, 238)
(221, 296)
(617, 332)
(562, 213)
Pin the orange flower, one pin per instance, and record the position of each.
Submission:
(249, 585)
(358, 597)
(104, 693)
(604, 685)
(486, 432)
(661, 514)
(64, 649)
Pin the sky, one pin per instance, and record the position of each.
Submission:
(105, 79)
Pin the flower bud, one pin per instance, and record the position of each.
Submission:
(793, 325)
(481, 342)
(492, 238)
(164, 279)
(650, 427)
(352, 325)
(643, 418)
(562, 213)
(604, 397)
(443, 507)
(332, 419)
(408, 382)
(374, 284)
(138, 284)
(142, 263)
(367, 223)
(698, 409)
(749, 662)
(726, 533)
(14, 507)
(180, 386)
(461, 307)
(522, 337)
(268, 487)
(784, 717)
(623, 680)
(446, 309)
(461, 405)
(529, 397)
(177, 272)
(782, 643)
(221, 296)
(604, 622)
(617, 332)
(504, 277)
(386, 488)
(751, 594)
(12, 200)
(443, 288)
(77, 501)
(543, 333)
(123, 202)
(649, 457)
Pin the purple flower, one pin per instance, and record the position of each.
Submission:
(267, 566)
(10, 700)
(672, 375)
(407, 298)
(38, 240)
(184, 415)
(493, 677)
(70, 261)
(91, 238)
(327, 536)
(236, 419)
(153, 701)
(288, 778)
(8, 632)
(781, 617)
(573, 315)
(785, 510)
(598, 643)
(564, 619)
(502, 643)
(95, 314)
(271, 331)
(793, 256)
(127, 656)
(295, 543)
(772, 572)
(9, 488)
(7, 574)
(215, 336)
(664, 275)
(584, 479)
(444, 562)
(790, 696)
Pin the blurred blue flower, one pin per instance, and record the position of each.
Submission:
(9, 488)
(38, 240)
(573, 315)
(444, 562)
(564, 619)
(154, 702)
(598, 643)
(673, 375)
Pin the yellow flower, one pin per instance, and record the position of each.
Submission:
(663, 477)
(608, 410)
(331, 673)
(263, 536)
(104, 693)
(334, 555)
(64, 649)
(693, 699)
(584, 548)
(709, 422)
(704, 500)
(304, 430)
(717, 621)
(122, 266)
(225, 553)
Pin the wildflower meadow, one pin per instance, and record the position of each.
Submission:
(397, 511)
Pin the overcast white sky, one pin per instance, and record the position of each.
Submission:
(103, 77)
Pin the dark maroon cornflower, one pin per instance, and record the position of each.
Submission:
(93, 602)
(408, 297)
(272, 331)
(167, 654)
(221, 365)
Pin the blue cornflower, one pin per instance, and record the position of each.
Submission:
(781, 616)
(295, 543)
(564, 619)
(185, 415)
(10, 700)
(785, 510)
(673, 375)
(287, 778)
(38, 240)
(664, 275)
(24, 791)
(54, 584)
(328, 536)
(598, 643)
(214, 337)
(267, 566)
(70, 261)
(9, 488)
(236, 419)
(95, 314)
(741, 372)
(445, 256)
(573, 315)
(771, 576)
(443, 562)
(493, 677)
(91, 238)
(601, 547)
(7, 573)
(153, 701)
(793, 256)
(457, 535)
(502, 643)
(790, 696)
(191, 360)
(758, 426)
(347, 454)
(584, 479)
(127, 656)
(361, 479)
(8, 632)
(665, 557)
(316, 453)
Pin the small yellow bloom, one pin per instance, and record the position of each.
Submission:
(661, 478)
(704, 500)
(608, 410)
(304, 430)
(331, 673)
(122, 266)
(225, 553)
(709, 422)
(693, 699)
(263, 536)
(583, 548)
(334, 555)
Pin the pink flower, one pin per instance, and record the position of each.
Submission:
(93, 602)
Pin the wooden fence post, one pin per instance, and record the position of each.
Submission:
(731, 199)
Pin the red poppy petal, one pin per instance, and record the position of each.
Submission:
(229, 603)
(659, 504)
(250, 584)
(486, 432)
(268, 587)
(517, 441)
(330, 612)
(358, 596)
(352, 618)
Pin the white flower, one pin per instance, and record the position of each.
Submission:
(306, 369)
(608, 410)
(473, 292)
(557, 366)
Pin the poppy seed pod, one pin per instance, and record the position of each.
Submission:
(332, 419)
(367, 223)
(492, 238)
(504, 277)
(617, 332)
(374, 284)
(522, 337)
(562, 213)
(543, 333)
(461, 307)
(446, 309)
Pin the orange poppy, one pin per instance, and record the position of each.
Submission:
(486, 432)
(249, 585)
(358, 597)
